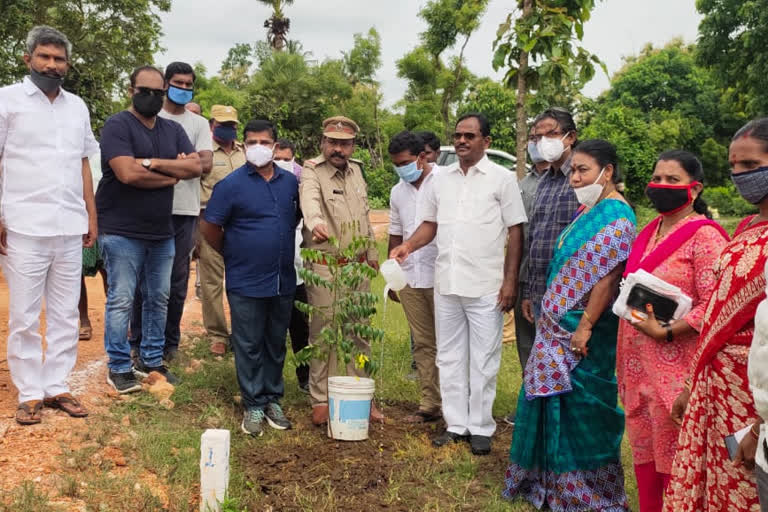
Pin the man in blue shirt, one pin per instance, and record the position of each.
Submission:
(251, 220)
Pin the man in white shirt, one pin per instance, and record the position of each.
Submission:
(474, 209)
(186, 205)
(406, 150)
(48, 214)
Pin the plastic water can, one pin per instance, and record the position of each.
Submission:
(349, 407)
(393, 275)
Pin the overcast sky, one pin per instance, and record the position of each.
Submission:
(195, 30)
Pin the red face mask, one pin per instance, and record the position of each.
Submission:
(670, 199)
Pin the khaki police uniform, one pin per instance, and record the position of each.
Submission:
(338, 199)
(210, 266)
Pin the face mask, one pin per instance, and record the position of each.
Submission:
(259, 155)
(670, 199)
(147, 104)
(46, 82)
(551, 149)
(410, 172)
(286, 165)
(588, 195)
(225, 133)
(752, 185)
(533, 152)
(180, 96)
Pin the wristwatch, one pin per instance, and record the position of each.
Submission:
(146, 163)
(670, 334)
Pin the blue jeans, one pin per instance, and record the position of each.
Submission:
(125, 260)
(259, 326)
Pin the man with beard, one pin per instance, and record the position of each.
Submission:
(186, 205)
(143, 156)
(334, 198)
(48, 215)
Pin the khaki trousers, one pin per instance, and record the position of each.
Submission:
(211, 270)
(319, 370)
(419, 307)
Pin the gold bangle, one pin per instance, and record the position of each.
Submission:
(752, 431)
(589, 318)
(688, 385)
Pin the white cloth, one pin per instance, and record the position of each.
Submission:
(473, 214)
(186, 193)
(42, 146)
(468, 356)
(38, 267)
(404, 206)
(757, 370)
(298, 263)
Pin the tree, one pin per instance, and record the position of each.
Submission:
(434, 87)
(278, 24)
(498, 104)
(538, 48)
(236, 69)
(109, 39)
(364, 60)
(732, 42)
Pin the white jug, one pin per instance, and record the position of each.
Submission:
(393, 275)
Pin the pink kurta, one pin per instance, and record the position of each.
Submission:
(651, 373)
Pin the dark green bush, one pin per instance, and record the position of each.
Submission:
(727, 201)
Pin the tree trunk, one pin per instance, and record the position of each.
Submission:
(448, 93)
(522, 92)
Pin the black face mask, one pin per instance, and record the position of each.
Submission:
(146, 104)
(670, 199)
(46, 82)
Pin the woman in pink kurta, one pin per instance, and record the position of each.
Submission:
(653, 360)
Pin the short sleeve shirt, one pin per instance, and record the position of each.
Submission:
(130, 211)
(473, 213)
(259, 221)
(186, 193)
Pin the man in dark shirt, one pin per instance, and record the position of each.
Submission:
(251, 220)
(554, 205)
(142, 156)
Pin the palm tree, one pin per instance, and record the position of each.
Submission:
(277, 25)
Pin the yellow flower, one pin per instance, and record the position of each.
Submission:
(361, 360)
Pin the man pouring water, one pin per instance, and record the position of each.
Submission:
(474, 210)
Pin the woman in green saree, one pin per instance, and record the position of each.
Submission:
(566, 447)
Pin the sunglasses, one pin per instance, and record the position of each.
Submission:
(148, 91)
(468, 136)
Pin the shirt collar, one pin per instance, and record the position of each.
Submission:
(31, 89)
(566, 167)
(216, 146)
(483, 166)
(277, 173)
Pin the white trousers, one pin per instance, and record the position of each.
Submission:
(38, 267)
(469, 334)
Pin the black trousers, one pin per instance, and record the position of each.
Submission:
(299, 331)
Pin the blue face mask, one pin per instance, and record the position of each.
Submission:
(409, 173)
(752, 185)
(180, 96)
(533, 152)
(225, 133)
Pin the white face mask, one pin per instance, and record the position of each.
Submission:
(551, 149)
(259, 155)
(588, 195)
(286, 165)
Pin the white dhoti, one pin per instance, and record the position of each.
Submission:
(469, 332)
(37, 268)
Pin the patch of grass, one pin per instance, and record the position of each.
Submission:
(25, 498)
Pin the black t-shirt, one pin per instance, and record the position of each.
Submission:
(126, 210)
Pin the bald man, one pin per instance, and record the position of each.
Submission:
(194, 108)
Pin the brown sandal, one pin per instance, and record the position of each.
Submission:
(67, 403)
(218, 348)
(28, 413)
(85, 333)
(422, 417)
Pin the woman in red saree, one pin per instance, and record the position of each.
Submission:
(718, 401)
(653, 361)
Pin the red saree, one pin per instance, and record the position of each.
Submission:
(703, 477)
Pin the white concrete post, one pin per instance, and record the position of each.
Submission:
(214, 469)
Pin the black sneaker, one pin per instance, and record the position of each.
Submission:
(304, 387)
(276, 418)
(170, 355)
(123, 382)
(481, 445)
(143, 371)
(446, 438)
(253, 422)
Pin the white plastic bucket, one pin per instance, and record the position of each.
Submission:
(349, 407)
(394, 276)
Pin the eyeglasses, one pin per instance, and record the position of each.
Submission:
(150, 92)
(551, 133)
(468, 136)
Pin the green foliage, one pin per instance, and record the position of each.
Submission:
(348, 316)
(109, 39)
(235, 70)
(732, 42)
(727, 201)
(661, 100)
(362, 62)
(498, 104)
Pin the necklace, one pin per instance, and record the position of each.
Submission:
(659, 234)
